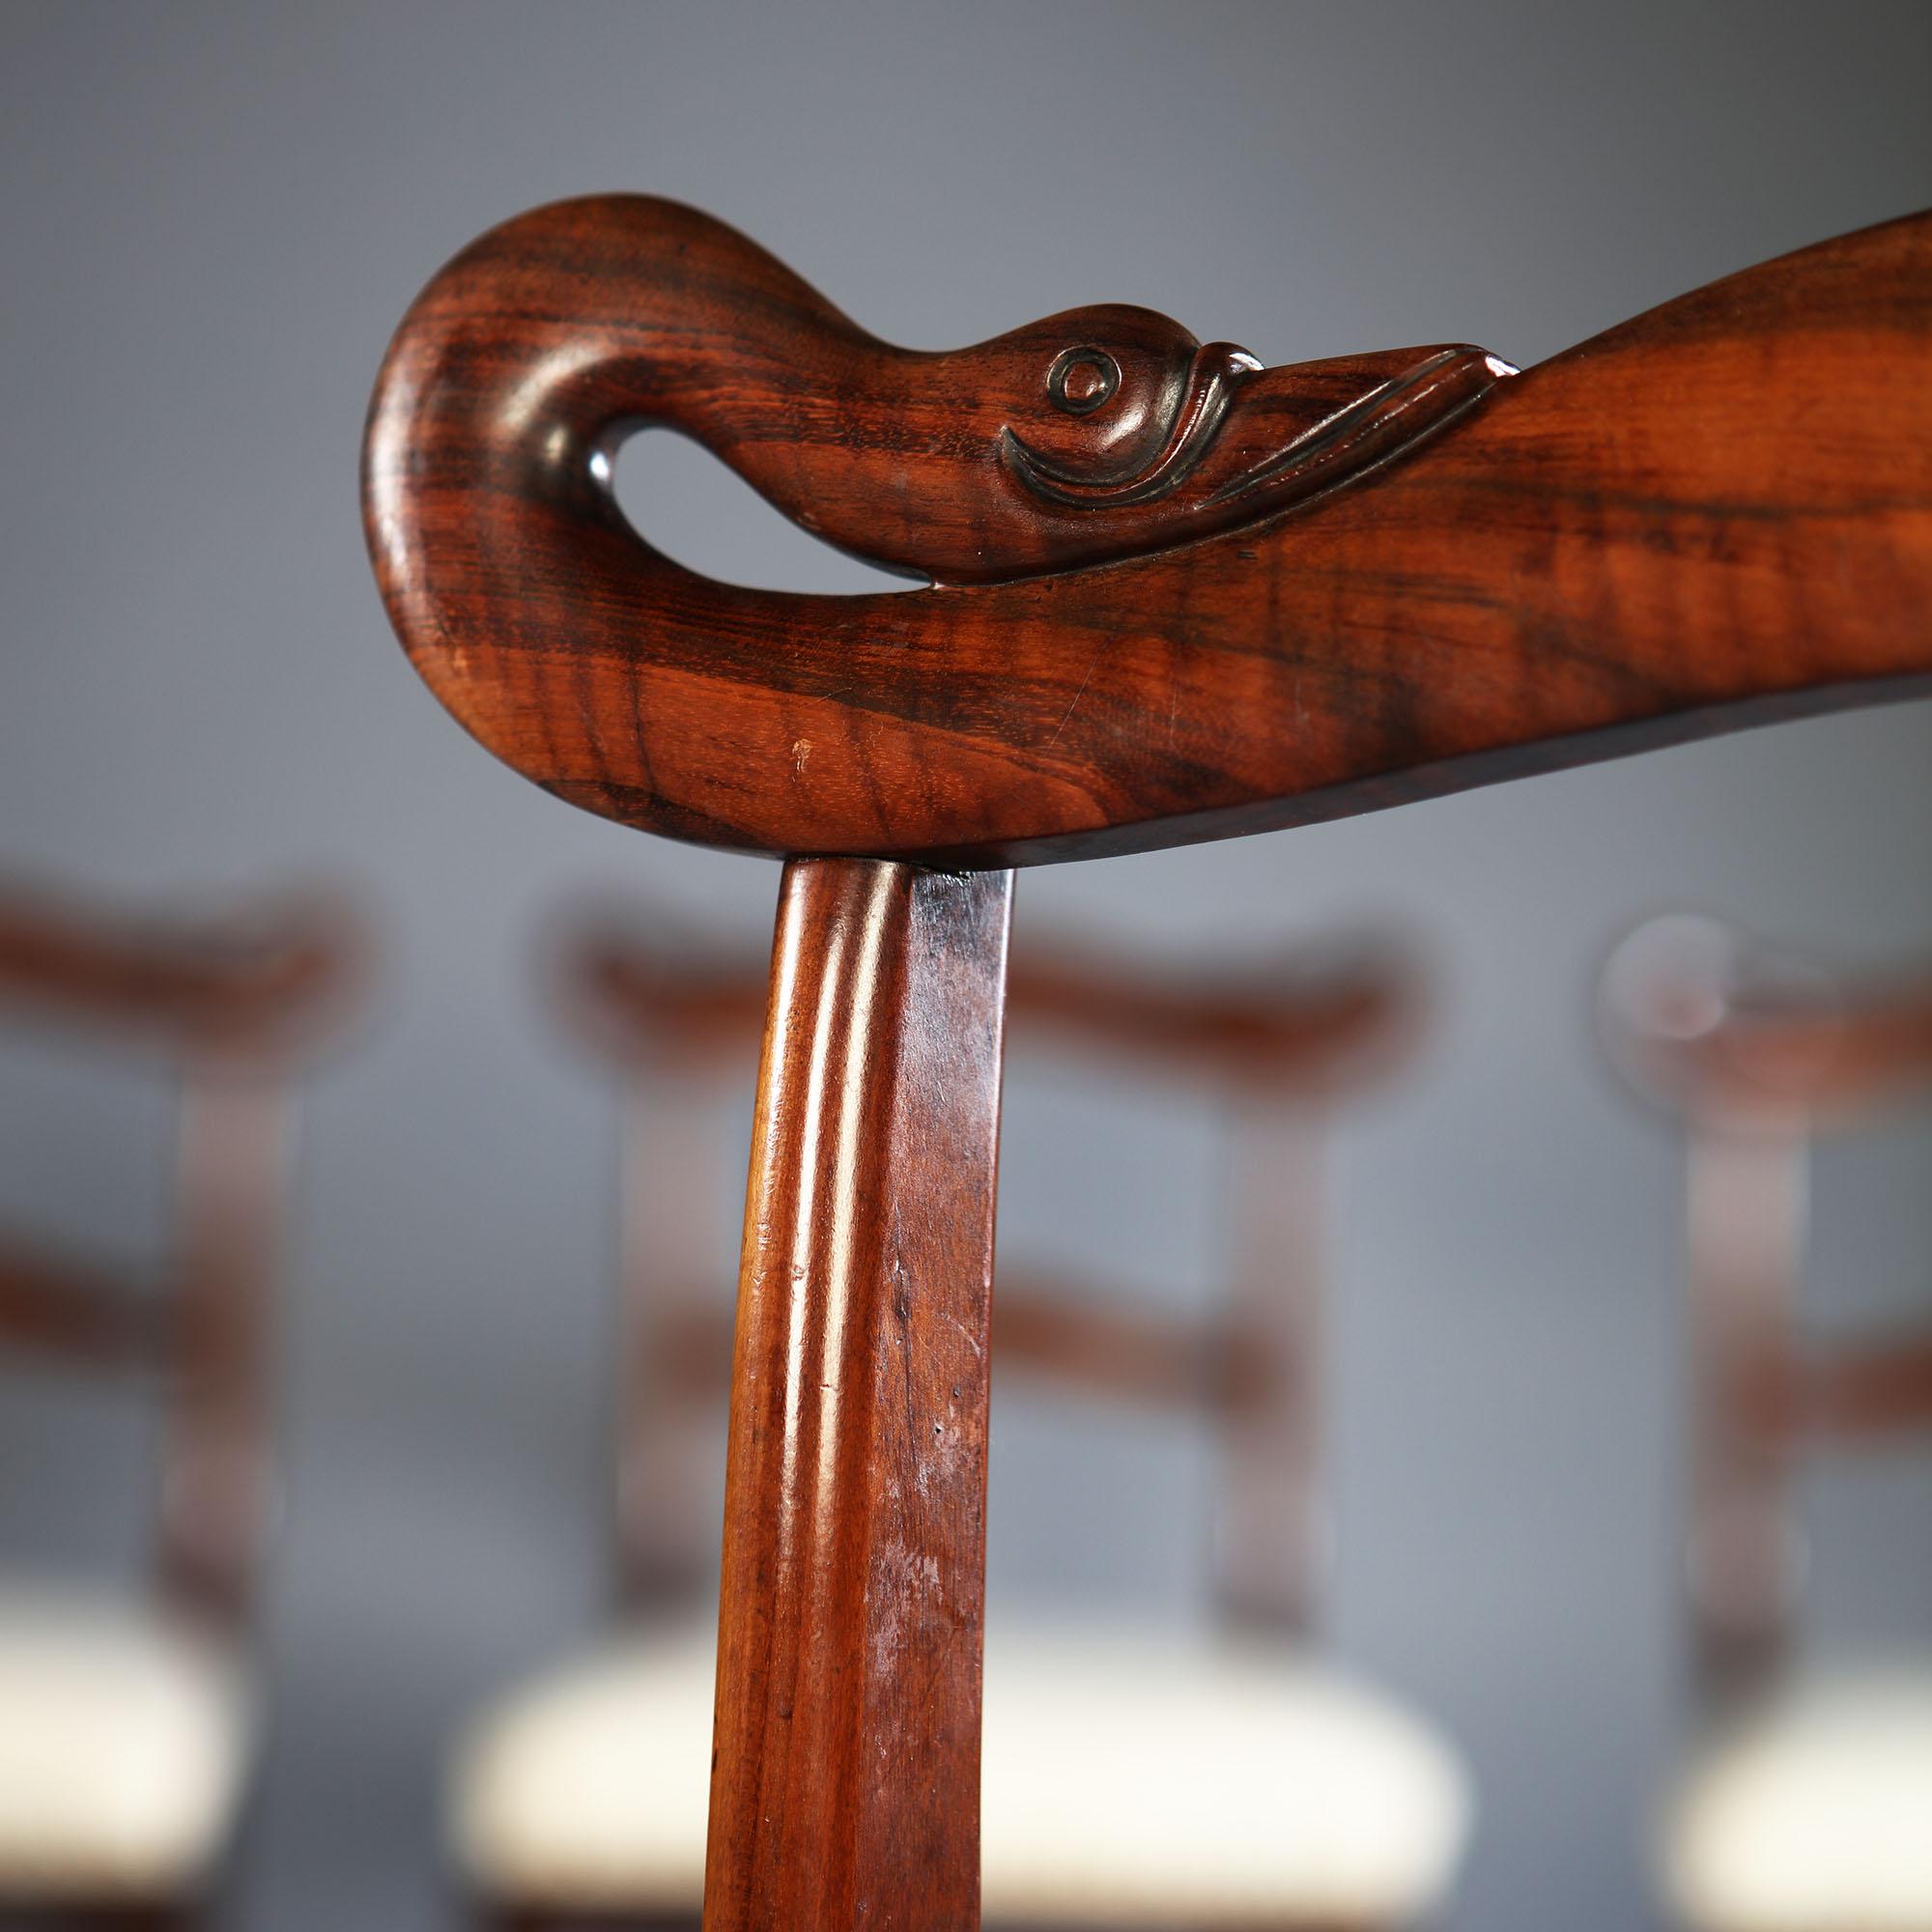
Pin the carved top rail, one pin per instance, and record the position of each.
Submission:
(1173, 594)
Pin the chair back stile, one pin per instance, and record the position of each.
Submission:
(674, 1344)
(1745, 1199)
(680, 1034)
(219, 1496)
(1270, 1545)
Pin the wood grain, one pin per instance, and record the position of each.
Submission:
(846, 1759)
(1173, 596)
(1717, 515)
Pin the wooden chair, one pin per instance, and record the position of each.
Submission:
(1173, 595)
(1809, 1800)
(125, 1726)
(1132, 1775)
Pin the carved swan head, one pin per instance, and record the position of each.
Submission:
(1111, 431)
(1114, 404)
(1097, 434)
(1555, 576)
(1114, 431)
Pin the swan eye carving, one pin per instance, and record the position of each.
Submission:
(1081, 380)
(1202, 436)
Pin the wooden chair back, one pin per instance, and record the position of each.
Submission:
(234, 1005)
(1757, 1060)
(1172, 595)
(1277, 1051)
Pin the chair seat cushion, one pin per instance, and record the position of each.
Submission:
(124, 1737)
(1128, 1778)
(1814, 1813)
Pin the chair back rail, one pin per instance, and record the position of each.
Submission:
(1716, 515)
(267, 980)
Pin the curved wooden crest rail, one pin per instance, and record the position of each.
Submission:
(1173, 596)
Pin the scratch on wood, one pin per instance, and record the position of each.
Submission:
(1092, 665)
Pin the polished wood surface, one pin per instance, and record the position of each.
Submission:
(845, 1780)
(1716, 515)
(1173, 596)
(1063, 1332)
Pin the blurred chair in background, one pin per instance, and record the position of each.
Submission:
(1131, 1776)
(125, 1722)
(1810, 1807)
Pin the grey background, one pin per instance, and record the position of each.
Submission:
(212, 218)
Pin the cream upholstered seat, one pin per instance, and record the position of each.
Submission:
(124, 1737)
(1814, 1812)
(1129, 1778)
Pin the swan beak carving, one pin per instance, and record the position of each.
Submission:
(1246, 442)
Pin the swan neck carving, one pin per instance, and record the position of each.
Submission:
(1176, 595)
(1100, 433)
